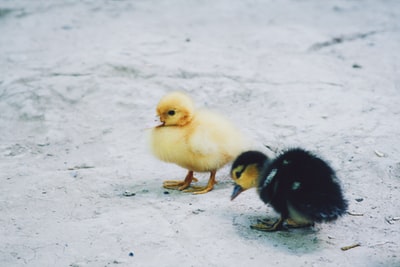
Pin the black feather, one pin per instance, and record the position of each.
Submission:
(306, 183)
(250, 157)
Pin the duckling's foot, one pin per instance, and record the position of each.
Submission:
(266, 226)
(292, 224)
(180, 185)
(266, 221)
(197, 190)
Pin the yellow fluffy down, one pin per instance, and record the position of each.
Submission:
(206, 143)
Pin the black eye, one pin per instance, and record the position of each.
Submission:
(171, 112)
(238, 174)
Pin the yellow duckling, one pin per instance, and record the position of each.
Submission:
(197, 140)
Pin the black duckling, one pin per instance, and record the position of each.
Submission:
(299, 185)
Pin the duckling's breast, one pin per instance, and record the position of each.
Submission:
(167, 143)
(187, 147)
(170, 144)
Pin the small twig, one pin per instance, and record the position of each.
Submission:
(381, 244)
(350, 247)
(355, 214)
(273, 149)
(341, 39)
(80, 167)
(391, 220)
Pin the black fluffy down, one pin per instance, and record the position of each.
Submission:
(250, 157)
(306, 183)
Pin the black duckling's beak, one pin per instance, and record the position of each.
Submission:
(236, 191)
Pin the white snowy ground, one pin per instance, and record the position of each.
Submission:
(79, 81)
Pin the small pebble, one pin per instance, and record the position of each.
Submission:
(128, 194)
(131, 254)
(166, 193)
(379, 154)
(198, 211)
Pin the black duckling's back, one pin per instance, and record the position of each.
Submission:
(298, 181)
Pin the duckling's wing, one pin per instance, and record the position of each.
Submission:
(320, 201)
(315, 191)
(203, 142)
(310, 185)
(212, 134)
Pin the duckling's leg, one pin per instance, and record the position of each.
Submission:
(204, 189)
(266, 221)
(180, 185)
(267, 227)
(292, 224)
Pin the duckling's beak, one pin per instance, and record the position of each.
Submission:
(236, 191)
(162, 122)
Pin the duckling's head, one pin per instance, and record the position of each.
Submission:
(245, 171)
(175, 109)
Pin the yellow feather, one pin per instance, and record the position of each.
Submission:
(198, 140)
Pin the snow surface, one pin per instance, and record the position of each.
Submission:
(79, 82)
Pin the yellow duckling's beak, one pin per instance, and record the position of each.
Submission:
(160, 120)
(161, 124)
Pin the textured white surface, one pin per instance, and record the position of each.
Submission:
(79, 82)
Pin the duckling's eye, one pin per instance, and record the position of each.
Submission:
(238, 174)
(171, 112)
